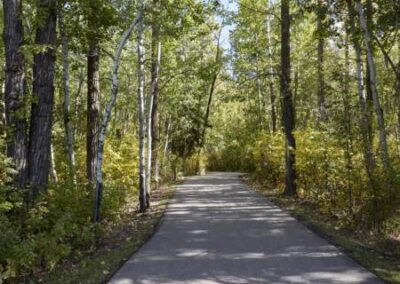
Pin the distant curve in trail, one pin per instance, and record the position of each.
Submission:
(218, 231)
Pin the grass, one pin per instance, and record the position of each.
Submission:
(116, 247)
(384, 262)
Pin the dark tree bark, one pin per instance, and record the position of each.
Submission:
(288, 118)
(271, 80)
(14, 89)
(155, 88)
(397, 94)
(93, 96)
(273, 107)
(212, 89)
(42, 106)
(93, 108)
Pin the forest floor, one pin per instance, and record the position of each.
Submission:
(122, 240)
(217, 230)
(381, 255)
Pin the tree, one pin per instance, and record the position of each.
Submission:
(288, 119)
(374, 90)
(93, 91)
(141, 107)
(365, 117)
(43, 101)
(106, 119)
(69, 134)
(156, 46)
(214, 77)
(271, 71)
(14, 92)
(152, 108)
(321, 43)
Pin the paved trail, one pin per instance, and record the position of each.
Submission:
(218, 231)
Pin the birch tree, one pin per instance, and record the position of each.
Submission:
(141, 108)
(372, 81)
(107, 117)
(151, 128)
(365, 117)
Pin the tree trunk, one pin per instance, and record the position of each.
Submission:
(261, 101)
(69, 134)
(14, 89)
(366, 130)
(287, 103)
(166, 145)
(397, 94)
(2, 107)
(212, 88)
(271, 71)
(93, 108)
(93, 97)
(348, 129)
(365, 118)
(320, 59)
(375, 96)
(53, 172)
(77, 96)
(155, 78)
(106, 119)
(42, 106)
(153, 92)
(141, 107)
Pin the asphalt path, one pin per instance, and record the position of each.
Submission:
(216, 230)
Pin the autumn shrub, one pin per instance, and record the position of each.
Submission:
(234, 157)
(329, 176)
(36, 236)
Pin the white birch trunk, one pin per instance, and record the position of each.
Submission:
(141, 108)
(362, 97)
(149, 129)
(106, 118)
(53, 172)
(375, 96)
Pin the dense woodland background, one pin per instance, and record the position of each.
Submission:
(103, 101)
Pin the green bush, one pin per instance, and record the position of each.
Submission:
(38, 237)
(326, 177)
